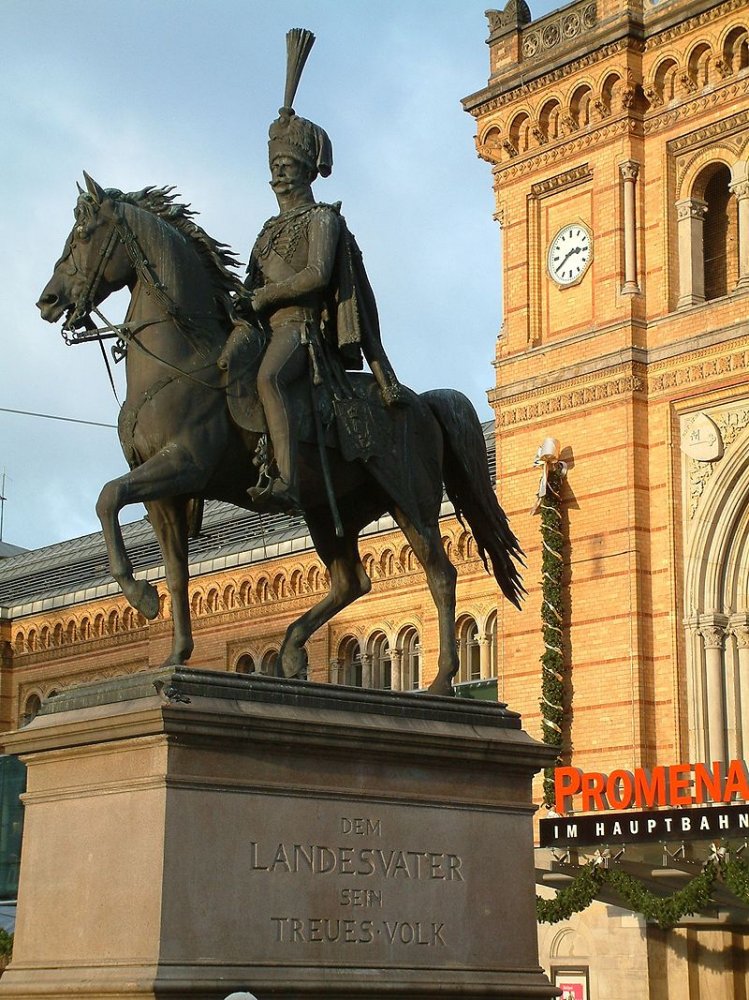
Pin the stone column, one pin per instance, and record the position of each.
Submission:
(629, 171)
(740, 631)
(396, 669)
(713, 636)
(485, 665)
(335, 671)
(366, 670)
(741, 190)
(690, 213)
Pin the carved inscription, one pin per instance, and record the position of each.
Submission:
(343, 871)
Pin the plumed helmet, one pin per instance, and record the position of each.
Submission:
(293, 136)
(289, 134)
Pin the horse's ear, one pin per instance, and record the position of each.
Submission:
(96, 192)
(80, 189)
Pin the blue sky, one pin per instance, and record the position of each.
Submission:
(160, 92)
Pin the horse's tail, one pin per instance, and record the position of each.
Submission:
(466, 475)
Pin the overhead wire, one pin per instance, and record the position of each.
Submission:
(53, 416)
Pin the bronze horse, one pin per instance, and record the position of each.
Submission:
(183, 446)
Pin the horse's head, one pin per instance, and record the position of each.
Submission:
(93, 264)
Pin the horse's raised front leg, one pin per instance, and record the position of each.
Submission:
(169, 522)
(171, 472)
(348, 581)
(441, 578)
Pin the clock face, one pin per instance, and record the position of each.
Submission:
(570, 254)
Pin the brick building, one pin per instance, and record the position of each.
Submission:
(618, 135)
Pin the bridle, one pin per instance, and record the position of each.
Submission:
(126, 333)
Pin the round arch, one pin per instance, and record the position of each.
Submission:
(716, 571)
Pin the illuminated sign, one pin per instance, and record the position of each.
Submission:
(643, 788)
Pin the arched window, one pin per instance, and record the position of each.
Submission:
(469, 651)
(349, 659)
(31, 642)
(664, 81)
(548, 120)
(720, 235)
(212, 601)
(279, 585)
(716, 568)
(379, 650)
(410, 660)
(580, 106)
(736, 50)
(245, 664)
(708, 237)
(84, 632)
(313, 579)
(268, 663)
(113, 622)
(196, 605)
(57, 635)
(99, 627)
(699, 66)
(610, 92)
(491, 638)
(30, 709)
(520, 132)
(297, 583)
(387, 563)
(245, 593)
(18, 645)
(228, 598)
(263, 590)
(70, 632)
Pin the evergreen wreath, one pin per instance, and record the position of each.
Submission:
(552, 660)
(666, 911)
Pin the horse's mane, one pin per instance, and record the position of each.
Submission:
(217, 257)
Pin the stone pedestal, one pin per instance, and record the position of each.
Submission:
(190, 833)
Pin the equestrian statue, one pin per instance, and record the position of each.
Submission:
(253, 392)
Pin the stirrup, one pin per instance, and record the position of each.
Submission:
(277, 495)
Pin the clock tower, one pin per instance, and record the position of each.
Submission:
(618, 136)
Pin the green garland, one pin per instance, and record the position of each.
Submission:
(552, 661)
(735, 874)
(666, 911)
(577, 896)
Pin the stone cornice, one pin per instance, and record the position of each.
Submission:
(483, 103)
(564, 149)
(623, 380)
(725, 94)
(568, 178)
(723, 127)
(657, 35)
(573, 388)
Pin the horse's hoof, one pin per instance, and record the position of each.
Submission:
(441, 687)
(145, 599)
(293, 667)
(176, 660)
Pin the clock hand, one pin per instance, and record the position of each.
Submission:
(567, 257)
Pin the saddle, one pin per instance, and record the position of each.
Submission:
(350, 413)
